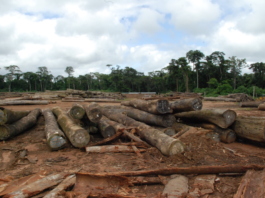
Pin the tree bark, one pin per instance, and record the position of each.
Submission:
(9, 116)
(55, 137)
(221, 117)
(251, 128)
(78, 136)
(169, 130)
(93, 112)
(77, 111)
(167, 145)
(24, 102)
(66, 183)
(154, 107)
(7, 131)
(142, 116)
(250, 103)
(111, 149)
(190, 104)
(262, 107)
(162, 98)
(101, 100)
(106, 130)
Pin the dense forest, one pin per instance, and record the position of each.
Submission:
(196, 72)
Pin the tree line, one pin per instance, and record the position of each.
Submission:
(213, 74)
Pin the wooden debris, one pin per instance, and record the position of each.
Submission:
(221, 117)
(252, 128)
(23, 102)
(190, 104)
(203, 185)
(154, 107)
(66, 183)
(55, 137)
(78, 136)
(177, 187)
(9, 116)
(107, 140)
(7, 131)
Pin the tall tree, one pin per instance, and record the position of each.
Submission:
(259, 70)
(236, 66)
(173, 69)
(13, 70)
(183, 63)
(195, 57)
(218, 59)
(43, 75)
(69, 70)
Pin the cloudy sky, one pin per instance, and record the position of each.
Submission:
(143, 34)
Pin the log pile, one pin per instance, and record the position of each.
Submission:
(237, 97)
(184, 95)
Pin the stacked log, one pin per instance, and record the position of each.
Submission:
(190, 104)
(237, 97)
(23, 102)
(250, 104)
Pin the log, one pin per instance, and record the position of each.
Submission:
(154, 107)
(38, 186)
(72, 100)
(169, 130)
(250, 103)
(167, 145)
(9, 116)
(187, 170)
(226, 135)
(8, 131)
(66, 183)
(213, 99)
(106, 130)
(111, 149)
(78, 136)
(252, 185)
(221, 117)
(55, 137)
(251, 128)
(181, 129)
(144, 180)
(77, 111)
(162, 98)
(102, 100)
(24, 102)
(93, 112)
(142, 116)
(262, 107)
(190, 104)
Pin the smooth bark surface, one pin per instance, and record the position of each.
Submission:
(9, 116)
(77, 111)
(251, 128)
(55, 137)
(221, 117)
(93, 112)
(78, 136)
(154, 107)
(190, 104)
(7, 131)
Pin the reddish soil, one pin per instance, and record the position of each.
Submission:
(201, 150)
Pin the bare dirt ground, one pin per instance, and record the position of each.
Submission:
(201, 151)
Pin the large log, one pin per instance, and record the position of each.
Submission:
(24, 102)
(167, 145)
(7, 131)
(250, 103)
(251, 128)
(55, 137)
(9, 116)
(111, 149)
(262, 107)
(78, 136)
(102, 100)
(77, 111)
(72, 100)
(148, 118)
(190, 104)
(161, 98)
(105, 128)
(154, 107)
(93, 112)
(221, 117)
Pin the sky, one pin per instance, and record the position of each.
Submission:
(143, 34)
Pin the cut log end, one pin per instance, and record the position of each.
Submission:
(229, 116)
(177, 147)
(197, 104)
(77, 112)
(4, 133)
(81, 138)
(163, 106)
(94, 115)
(108, 132)
(56, 142)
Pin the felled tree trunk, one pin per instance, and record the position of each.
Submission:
(262, 107)
(190, 104)
(7, 131)
(148, 118)
(250, 103)
(77, 111)
(55, 137)
(169, 130)
(111, 149)
(154, 107)
(251, 128)
(221, 117)
(226, 135)
(9, 116)
(93, 112)
(105, 128)
(101, 100)
(167, 145)
(78, 136)
(24, 102)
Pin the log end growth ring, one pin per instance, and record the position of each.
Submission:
(77, 113)
(94, 115)
(197, 104)
(163, 106)
(230, 117)
(177, 147)
(57, 142)
(81, 138)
